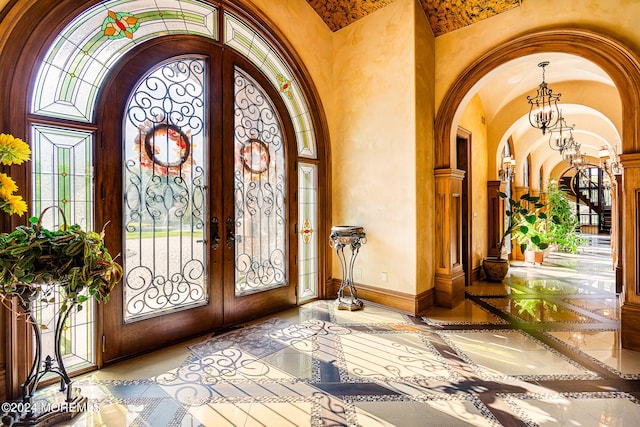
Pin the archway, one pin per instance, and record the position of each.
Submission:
(623, 67)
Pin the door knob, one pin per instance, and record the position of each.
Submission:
(215, 233)
(230, 235)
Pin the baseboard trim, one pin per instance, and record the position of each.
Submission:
(630, 326)
(410, 304)
(476, 274)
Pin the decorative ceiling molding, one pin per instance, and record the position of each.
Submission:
(444, 15)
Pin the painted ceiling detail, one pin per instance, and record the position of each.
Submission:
(449, 15)
(444, 15)
(340, 13)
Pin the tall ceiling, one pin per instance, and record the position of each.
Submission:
(590, 100)
(444, 15)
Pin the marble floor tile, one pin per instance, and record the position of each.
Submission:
(369, 357)
(449, 412)
(513, 353)
(542, 348)
(616, 409)
(466, 312)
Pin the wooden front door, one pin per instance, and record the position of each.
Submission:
(193, 172)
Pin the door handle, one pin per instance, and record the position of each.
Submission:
(230, 236)
(215, 233)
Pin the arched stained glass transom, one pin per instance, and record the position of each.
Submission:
(79, 59)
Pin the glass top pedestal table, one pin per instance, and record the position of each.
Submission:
(354, 237)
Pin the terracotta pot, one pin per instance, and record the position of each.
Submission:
(534, 257)
(495, 269)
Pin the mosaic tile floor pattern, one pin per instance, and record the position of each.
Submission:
(540, 349)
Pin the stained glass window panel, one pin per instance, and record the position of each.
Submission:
(80, 57)
(308, 236)
(259, 190)
(164, 190)
(62, 174)
(245, 40)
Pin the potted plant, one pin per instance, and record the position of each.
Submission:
(564, 227)
(525, 223)
(71, 259)
(67, 265)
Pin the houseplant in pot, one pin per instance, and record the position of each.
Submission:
(525, 222)
(67, 266)
(564, 227)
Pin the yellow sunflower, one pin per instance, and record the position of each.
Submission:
(13, 150)
(7, 185)
(13, 205)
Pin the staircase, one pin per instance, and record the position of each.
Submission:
(581, 188)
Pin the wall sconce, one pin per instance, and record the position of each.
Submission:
(507, 169)
(609, 160)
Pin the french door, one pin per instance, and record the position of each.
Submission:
(194, 173)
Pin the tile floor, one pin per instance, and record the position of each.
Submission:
(540, 349)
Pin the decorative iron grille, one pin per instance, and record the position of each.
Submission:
(165, 191)
(259, 190)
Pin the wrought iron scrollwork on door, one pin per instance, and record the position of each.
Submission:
(165, 200)
(259, 190)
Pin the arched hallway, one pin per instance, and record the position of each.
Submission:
(541, 348)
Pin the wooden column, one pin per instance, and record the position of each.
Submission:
(449, 274)
(616, 230)
(495, 217)
(630, 315)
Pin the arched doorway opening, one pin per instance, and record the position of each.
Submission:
(623, 67)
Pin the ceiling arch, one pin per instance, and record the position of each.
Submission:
(612, 63)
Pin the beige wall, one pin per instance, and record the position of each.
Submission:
(473, 119)
(373, 133)
(311, 39)
(425, 112)
(602, 97)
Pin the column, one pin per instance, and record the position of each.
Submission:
(630, 250)
(449, 274)
(495, 217)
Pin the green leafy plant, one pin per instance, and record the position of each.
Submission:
(564, 228)
(69, 258)
(526, 222)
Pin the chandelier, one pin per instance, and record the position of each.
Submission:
(507, 169)
(561, 135)
(572, 155)
(544, 113)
